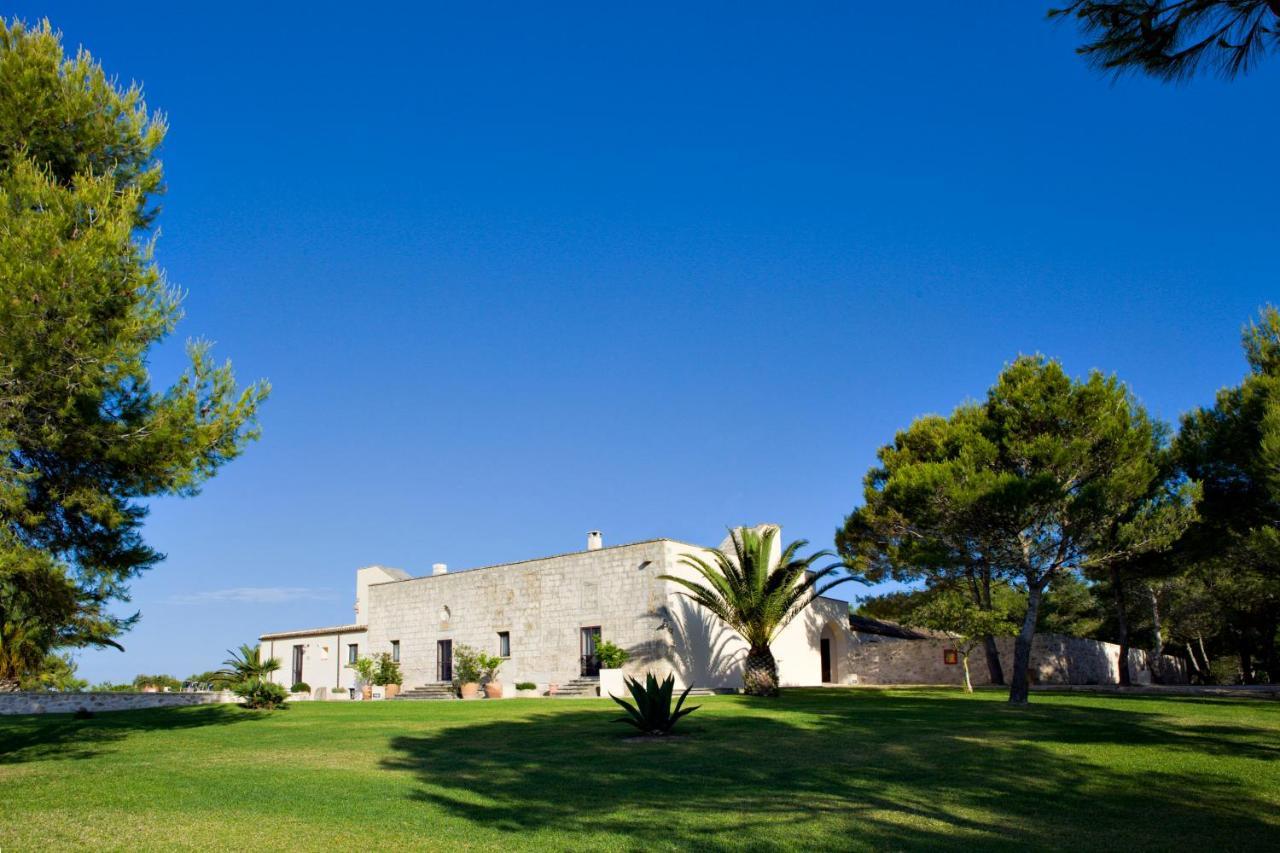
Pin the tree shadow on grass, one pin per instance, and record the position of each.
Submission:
(43, 737)
(852, 771)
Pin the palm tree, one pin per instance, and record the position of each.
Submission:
(756, 596)
(246, 664)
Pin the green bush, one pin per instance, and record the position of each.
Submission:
(467, 666)
(1225, 670)
(611, 655)
(387, 671)
(300, 687)
(652, 713)
(526, 685)
(365, 669)
(264, 695)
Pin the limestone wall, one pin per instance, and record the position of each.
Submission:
(1055, 659)
(67, 703)
(543, 604)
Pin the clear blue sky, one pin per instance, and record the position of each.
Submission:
(520, 272)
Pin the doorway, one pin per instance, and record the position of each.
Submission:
(297, 665)
(589, 636)
(826, 660)
(444, 660)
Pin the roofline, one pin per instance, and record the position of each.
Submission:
(312, 632)
(538, 559)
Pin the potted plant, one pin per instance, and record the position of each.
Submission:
(467, 671)
(489, 666)
(387, 676)
(365, 669)
(526, 688)
(612, 657)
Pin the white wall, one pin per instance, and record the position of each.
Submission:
(324, 661)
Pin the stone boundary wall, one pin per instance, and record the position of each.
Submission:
(1055, 659)
(67, 703)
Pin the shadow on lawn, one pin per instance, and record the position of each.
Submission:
(860, 770)
(60, 736)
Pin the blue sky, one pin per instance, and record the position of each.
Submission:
(520, 272)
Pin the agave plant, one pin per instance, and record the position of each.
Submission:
(652, 713)
(757, 595)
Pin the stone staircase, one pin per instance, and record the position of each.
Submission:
(428, 691)
(580, 687)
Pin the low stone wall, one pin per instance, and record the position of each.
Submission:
(1055, 659)
(68, 703)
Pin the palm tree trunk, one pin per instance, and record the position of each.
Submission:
(761, 676)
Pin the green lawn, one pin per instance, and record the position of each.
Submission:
(834, 769)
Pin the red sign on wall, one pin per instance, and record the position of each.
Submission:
(950, 657)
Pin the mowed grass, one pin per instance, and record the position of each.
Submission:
(816, 769)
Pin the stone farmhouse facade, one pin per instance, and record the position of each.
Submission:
(541, 616)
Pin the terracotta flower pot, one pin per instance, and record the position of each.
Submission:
(366, 692)
(470, 690)
(493, 690)
(390, 691)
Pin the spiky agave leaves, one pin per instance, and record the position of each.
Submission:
(652, 712)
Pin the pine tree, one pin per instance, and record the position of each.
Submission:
(84, 437)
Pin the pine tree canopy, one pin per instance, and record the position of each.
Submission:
(84, 435)
(1175, 39)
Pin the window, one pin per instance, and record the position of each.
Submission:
(353, 653)
(395, 650)
(504, 644)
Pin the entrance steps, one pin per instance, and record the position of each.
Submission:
(579, 687)
(428, 691)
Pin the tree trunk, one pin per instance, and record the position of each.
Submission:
(1122, 625)
(980, 586)
(1270, 660)
(993, 659)
(1158, 646)
(1246, 658)
(968, 682)
(761, 676)
(1020, 689)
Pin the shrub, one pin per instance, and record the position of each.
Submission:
(264, 695)
(159, 682)
(467, 665)
(365, 669)
(387, 671)
(652, 713)
(300, 687)
(526, 685)
(82, 714)
(611, 655)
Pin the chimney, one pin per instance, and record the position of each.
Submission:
(439, 569)
(594, 540)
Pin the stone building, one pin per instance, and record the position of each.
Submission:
(542, 617)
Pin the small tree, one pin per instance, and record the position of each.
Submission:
(366, 669)
(964, 623)
(246, 664)
(611, 655)
(757, 595)
(387, 672)
(468, 667)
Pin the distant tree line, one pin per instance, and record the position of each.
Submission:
(1062, 504)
